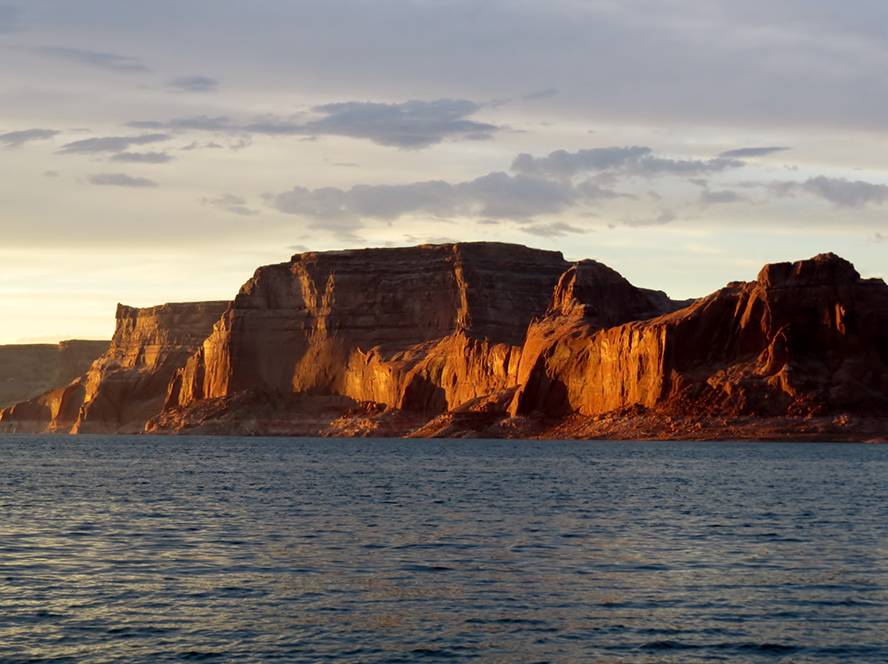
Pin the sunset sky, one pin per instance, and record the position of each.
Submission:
(156, 151)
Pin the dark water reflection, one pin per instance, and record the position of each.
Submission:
(142, 549)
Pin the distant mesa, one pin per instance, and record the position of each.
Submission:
(125, 385)
(491, 340)
(27, 370)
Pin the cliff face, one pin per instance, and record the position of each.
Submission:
(128, 383)
(27, 370)
(421, 330)
(492, 340)
(804, 338)
(394, 326)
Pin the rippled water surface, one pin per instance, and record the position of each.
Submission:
(144, 549)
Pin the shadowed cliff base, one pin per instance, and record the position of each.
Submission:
(493, 340)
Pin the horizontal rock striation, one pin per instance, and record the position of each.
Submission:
(128, 384)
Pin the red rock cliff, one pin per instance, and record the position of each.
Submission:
(127, 384)
(422, 329)
(418, 327)
(803, 338)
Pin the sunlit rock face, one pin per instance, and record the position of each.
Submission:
(491, 340)
(27, 370)
(423, 328)
(804, 338)
(128, 383)
(416, 330)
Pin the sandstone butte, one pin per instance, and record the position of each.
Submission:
(492, 340)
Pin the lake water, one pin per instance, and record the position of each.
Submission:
(146, 549)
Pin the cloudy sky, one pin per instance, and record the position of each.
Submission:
(161, 150)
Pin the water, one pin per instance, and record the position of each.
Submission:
(146, 549)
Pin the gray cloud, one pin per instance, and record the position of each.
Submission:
(233, 204)
(555, 229)
(661, 219)
(110, 61)
(594, 191)
(110, 143)
(15, 139)
(496, 195)
(542, 94)
(718, 197)
(838, 191)
(412, 124)
(660, 166)
(220, 123)
(564, 164)
(742, 153)
(120, 180)
(781, 64)
(194, 145)
(634, 160)
(142, 157)
(194, 84)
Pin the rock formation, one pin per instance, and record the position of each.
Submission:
(493, 340)
(27, 370)
(128, 383)
(804, 338)
(420, 329)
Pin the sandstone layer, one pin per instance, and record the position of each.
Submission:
(127, 384)
(27, 370)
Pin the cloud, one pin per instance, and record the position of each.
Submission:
(594, 191)
(120, 180)
(838, 191)
(199, 122)
(633, 160)
(233, 204)
(718, 197)
(412, 124)
(110, 61)
(496, 195)
(742, 153)
(564, 164)
(555, 229)
(110, 143)
(542, 94)
(194, 84)
(661, 219)
(660, 166)
(142, 157)
(194, 145)
(15, 139)
(409, 125)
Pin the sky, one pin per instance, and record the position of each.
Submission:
(161, 150)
